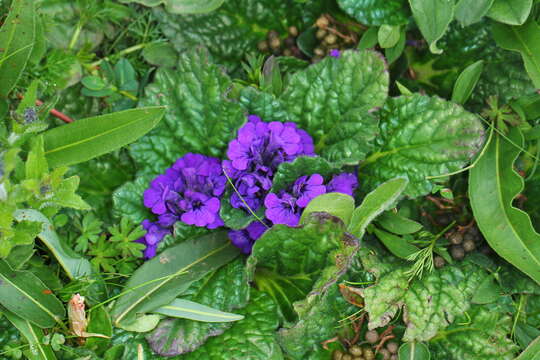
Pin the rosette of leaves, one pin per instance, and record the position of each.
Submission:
(235, 28)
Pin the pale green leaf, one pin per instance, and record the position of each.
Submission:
(466, 82)
(469, 12)
(336, 204)
(181, 308)
(512, 12)
(433, 18)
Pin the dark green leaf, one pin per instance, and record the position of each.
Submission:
(331, 100)
(398, 224)
(160, 54)
(471, 11)
(466, 82)
(373, 12)
(91, 137)
(24, 294)
(99, 322)
(524, 39)
(393, 53)
(288, 172)
(493, 185)
(336, 204)
(369, 39)
(433, 18)
(488, 292)
(421, 136)
(160, 280)
(414, 351)
(128, 200)
(513, 12)
(17, 37)
(182, 6)
(225, 289)
(532, 352)
(398, 245)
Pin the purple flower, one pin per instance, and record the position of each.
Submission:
(345, 183)
(154, 234)
(335, 53)
(282, 209)
(156, 196)
(245, 238)
(306, 188)
(199, 209)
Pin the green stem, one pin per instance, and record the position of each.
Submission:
(121, 53)
(75, 36)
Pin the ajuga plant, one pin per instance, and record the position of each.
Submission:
(329, 179)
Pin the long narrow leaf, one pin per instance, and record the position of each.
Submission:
(532, 352)
(177, 268)
(24, 294)
(87, 138)
(181, 308)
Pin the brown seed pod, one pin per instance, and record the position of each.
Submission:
(263, 46)
(293, 31)
(393, 346)
(469, 245)
(369, 354)
(337, 355)
(372, 336)
(330, 39)
(287, 52)
(347, 357)
(355, 350)
(320, 34)
(439, 262)
(322, 22)
(457, 252)
(272, 34)
(385, 354)
(456, 238)
(319, 52)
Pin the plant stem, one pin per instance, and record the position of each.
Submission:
(121, 53)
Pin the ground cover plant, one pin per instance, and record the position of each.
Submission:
(299, 179)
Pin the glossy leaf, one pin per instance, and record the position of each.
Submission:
(17, 36)
(160, 280)
(186, 309)
(252, 338)
(388, 36)
(526, 40)
(87, 138)
(393, 53)
(288, 172)
(466, 82)
(73, 264)
(369, 39)
(24, 294)
(263, 104)
(532, 352)
(493, 185)
(421, 136)
(128, 199)
(397, 245)
(374, 12)
(332, 101)
(225, 289)
(33, 334)
(398, 224)
(433, 18)
(469, 12)
(99, 322)
(414, 351)
(374, 204)
(182, 6)
(512, 12)
(336, 204)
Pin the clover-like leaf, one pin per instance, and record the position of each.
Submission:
(332, 101)
(421, 136)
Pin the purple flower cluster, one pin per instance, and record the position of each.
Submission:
(255, 155)
(190, 192)
(287, 206)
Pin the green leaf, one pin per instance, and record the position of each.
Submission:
(336, 204)
(36, 164)
(252, 338)
(369, 39)
(288, 172)
(373, 12)
(488, 292)
(160, 54)
(414, 351)
(525, 40)
(466, 82)
(286, 262)
(532, 352)
(263, 104)
(199, 117)
(493, 186)
(237, 218)
(433, 18)
(128, 200)
(331, 100)
(512, 12)
(73, 264)
(469, 12)
(32, 334)
(24, 294)
(17, 37)
(65, 194)
(427, 306)
(421, 136)
(397, 245)
(388, 36)
(374, 204)
(182, 6)
(88, 138)
(186, 309)
(94, 83)
(225, 289)
(481, 334)
(160, 280)
(393, 53)
(99, 322)
(398, 224)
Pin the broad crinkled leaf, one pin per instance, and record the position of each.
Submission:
(482, 334)
(225, 289)
(263, 104)
(128, 200)
(288, 172)
(332, 101)
(421, 136)
(252, 338)
(429, 304)
(235, 28)
(199, 116)
(286, 262)
(374, 12)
